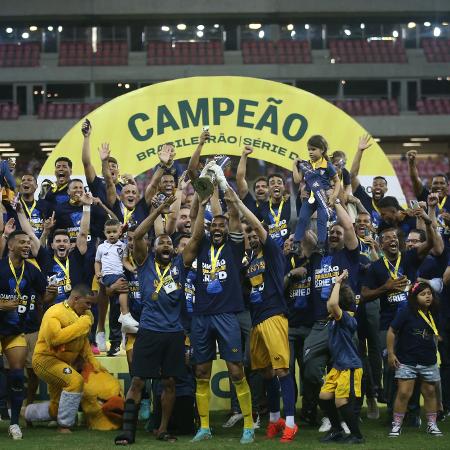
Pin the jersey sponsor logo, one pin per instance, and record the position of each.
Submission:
(67, 370)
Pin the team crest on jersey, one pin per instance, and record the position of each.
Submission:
(174, 271)
(67, 370)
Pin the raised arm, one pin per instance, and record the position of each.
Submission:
(350, 239)
(111, 192)
(195, 158)
(413, 173)
(232, 198)
(430, 243)
(82, 237)
(235, 224)
(241, 182)
(89, 170)
(26, 226)
(9, 227)
(333, 302)
(216, 208)
(140, 249)
(363, 144)
(97, 202)
(175, 207)
(297, 176)
(198, 231)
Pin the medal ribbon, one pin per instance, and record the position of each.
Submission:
(56, 188)
(276, 217)
(161, 277)
(429, 321)
(65, 268)
(375, 207)
(394, 275)
(441, 205)
(28, 210)
(127, 214)
(18, 280)
(214, 259)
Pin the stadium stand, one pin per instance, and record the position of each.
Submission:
(368, 107)
(113, 53)
(436, 50)
(433, 106)
(65, 110)
(364, 51)
(25, 54)
(276, 52)
(9, 111)
(198, 53)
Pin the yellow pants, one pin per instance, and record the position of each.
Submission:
(343, 383)
(59, 376)
(8, 342)
(269, 344)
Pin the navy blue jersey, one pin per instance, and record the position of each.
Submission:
(50, 267)
(341, 344)
(404, 227)
(36, 213)
(377, 274)
(325, 171)
(266, 279)
(98, 188)
(162, 313)
(298, 293)
(140, 212)
(56, 195)
(134, 294)
(325, 269)
(415, 342)
(276, 220)
(369, 204)
(26, 317)
(227, 272)
(68, 217)
(433, 266)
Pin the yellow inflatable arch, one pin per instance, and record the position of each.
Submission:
(276, 119)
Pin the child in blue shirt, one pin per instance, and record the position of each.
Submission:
(318, 173)
(343, 382)
(411, 345)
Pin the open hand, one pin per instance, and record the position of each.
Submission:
(364, 142)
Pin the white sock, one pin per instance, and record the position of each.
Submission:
(290, 421)
(274, 416)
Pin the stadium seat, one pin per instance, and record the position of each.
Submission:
(436, 49)
(358, 51)
(284, 51)
(109, 53)
(368, 107)
(23, 54)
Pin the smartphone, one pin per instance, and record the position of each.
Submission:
(414, 204)
(52, 280)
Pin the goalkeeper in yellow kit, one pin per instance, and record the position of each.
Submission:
(62, 345)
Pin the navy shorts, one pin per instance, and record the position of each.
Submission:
(111, 278)
(223, 328)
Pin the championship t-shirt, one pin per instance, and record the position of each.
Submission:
(57, 195)
(298, 293)
(415, 343)
(134, 295)
(27, 286)
(53, 266)
(341, 343)
(325, 269)
(277, 218)
(266, 279)
(36, 213)
(227, 273)
(377, 274)
(161, 313)
(368, 203)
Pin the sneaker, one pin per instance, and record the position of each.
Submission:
(100, 338)
(395, 430)
(248, 436)
(15, 432)
(129, 325)
(325, 425)
(373, 412)
(289, 434)
(434, 430)
(144, 411)
(351, 439)
(232, 420)
(333, 436)
(95, 349)
(203, 434)
(275, 428)
(256, 421)
(345, 428)
(113, 351)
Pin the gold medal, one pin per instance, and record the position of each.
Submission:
(311, 199)
(155, 296)
(67, 287)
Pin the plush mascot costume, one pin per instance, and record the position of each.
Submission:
(62, 344)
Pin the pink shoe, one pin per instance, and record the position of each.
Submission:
(95, 349)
